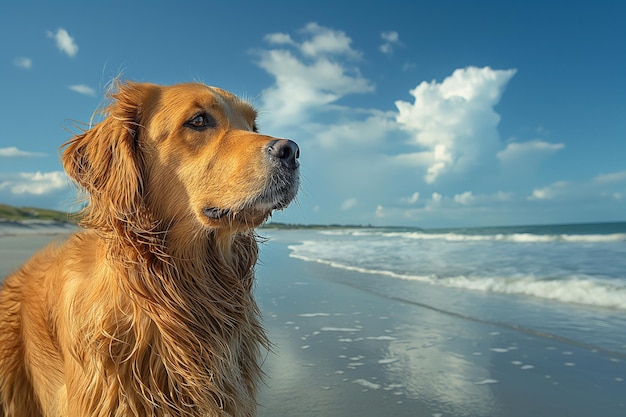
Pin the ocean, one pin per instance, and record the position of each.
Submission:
(564, 282)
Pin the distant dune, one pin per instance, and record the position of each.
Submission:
(29, 213)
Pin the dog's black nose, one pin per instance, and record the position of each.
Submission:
(285, 150)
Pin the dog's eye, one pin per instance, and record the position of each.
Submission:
(201, 122)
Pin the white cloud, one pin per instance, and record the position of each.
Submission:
(279, 39)
(533, 149)
(542, 194)
(391, 39)
(502, 197)
(348, 204)
(380, 212)
(454, 121)
(441, 158)
(324, 41)
(13, 152)
(611, 185)
(391, 36)
(386, 48)
(614, 177)
(551, 191)
(411, 199)
(361, 134)
(299, 87)
(83, 89)
(23, 62)
(436, 198)
(409, 66)
(413, 159)
(34, 183)
(64, 42)
(309, 75)
(465, 198)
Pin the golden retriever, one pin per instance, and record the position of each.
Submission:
(149, 310)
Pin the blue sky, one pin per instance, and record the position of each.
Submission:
(433, 114)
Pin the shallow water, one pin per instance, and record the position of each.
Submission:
(569, 285)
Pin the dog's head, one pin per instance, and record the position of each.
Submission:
(187, 153)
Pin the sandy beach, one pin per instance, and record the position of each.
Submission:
(344, 351)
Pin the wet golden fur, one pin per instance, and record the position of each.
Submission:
(148, 311)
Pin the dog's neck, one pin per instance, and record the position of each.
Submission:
(219, 257)
(196, 295)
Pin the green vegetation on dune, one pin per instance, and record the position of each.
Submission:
(12, 213)
(29, 213)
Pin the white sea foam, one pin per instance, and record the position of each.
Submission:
(520, 237)
(487, 381)
(575, 265)
(496, 237)
(593, 292)
(388, 361)
(314, 315)
(340, 329)
(367, 384)
(381, 338)
(356, 268)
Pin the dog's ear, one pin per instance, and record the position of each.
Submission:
(106, 160)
